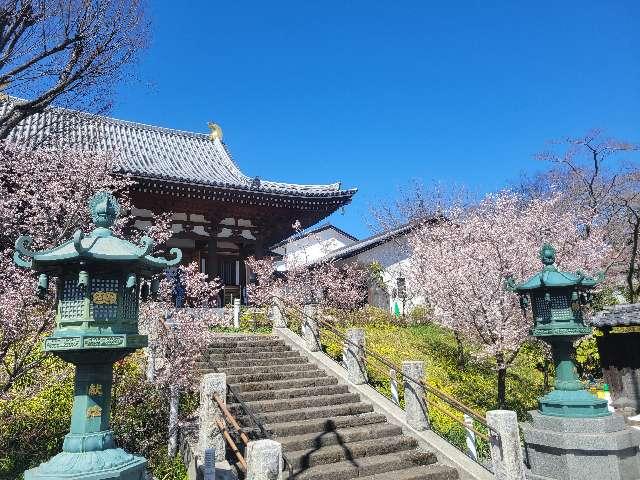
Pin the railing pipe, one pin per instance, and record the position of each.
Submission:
(443, 396)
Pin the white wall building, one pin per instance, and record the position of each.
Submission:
(388, 249)
(391, 251)
(311, 246)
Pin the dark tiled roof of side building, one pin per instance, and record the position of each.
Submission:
(318, 229)
(368, 243)
(152, 152)
(625, 315)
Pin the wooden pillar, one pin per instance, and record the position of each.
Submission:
(212, 248)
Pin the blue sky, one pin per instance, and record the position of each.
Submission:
(376, 94)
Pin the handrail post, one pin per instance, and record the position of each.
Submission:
(353, 350)
(236, 313)
(310, 331)
(393, 384)
(276, 313)
(506, 452)
(209, 434)
(174, 402)
(264, 460)
(415, 405)
(471, 437)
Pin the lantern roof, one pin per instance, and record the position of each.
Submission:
(101, 245)
(550, 276)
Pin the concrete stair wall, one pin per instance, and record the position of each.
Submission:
(327, 431)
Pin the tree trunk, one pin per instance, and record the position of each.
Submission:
(174, 399)
(460, 356)
(632, 261)
(502, 381)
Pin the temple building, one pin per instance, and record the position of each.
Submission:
(221, 216)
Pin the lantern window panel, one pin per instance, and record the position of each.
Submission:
(104, 299)
(72, 301)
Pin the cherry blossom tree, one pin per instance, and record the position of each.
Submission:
(179, 336)
(301, 280)
(44, 194)
(595, 173)
(460, 266)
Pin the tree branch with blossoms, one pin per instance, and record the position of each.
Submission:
(460, 266)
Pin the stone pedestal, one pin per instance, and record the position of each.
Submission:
(415, 405)
(353, 354)
(310, 330)
(561, 448)
(209, 435)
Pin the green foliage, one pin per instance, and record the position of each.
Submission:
(375, 274)
(587, 356)
(475, 385)
(252, 320)
(32, 426)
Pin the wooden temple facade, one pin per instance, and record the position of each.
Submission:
(220, 215)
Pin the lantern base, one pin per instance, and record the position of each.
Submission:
(580, 448)
(573, 404)
(110, 464)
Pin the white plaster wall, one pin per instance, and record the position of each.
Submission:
(312, 247)
(393, 256)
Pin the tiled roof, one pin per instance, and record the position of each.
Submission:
(313, 231)
(617, 316)
(367, 243)
(152, 152)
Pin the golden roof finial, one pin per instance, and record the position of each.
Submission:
(216, 131)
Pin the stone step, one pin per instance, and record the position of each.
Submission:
(340, 436)
(301, 460)
(242, 388)
(257, 343)
(264, 406)
(249, 349)
(265, 377)
(241, 337)
(250, 362)
(317, 425)
(435, 471)
(293, 392)
(361, 467)
(302, 414)
(287, 367)
(253, 355)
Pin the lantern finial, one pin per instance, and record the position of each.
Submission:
(548, 254)
(104, 209)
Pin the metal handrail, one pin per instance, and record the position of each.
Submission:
(388, 363)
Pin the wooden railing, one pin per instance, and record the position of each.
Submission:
(227, 437)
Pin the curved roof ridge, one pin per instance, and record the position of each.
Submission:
(153, 152)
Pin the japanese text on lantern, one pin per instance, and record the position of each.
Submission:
(94, 411)
(105, 298)
(95, 390)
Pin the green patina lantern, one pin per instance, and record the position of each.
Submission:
(558, 300)
(100, 280)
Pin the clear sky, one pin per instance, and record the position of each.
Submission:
(375, 94)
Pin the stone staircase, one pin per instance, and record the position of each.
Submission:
(327, 433)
